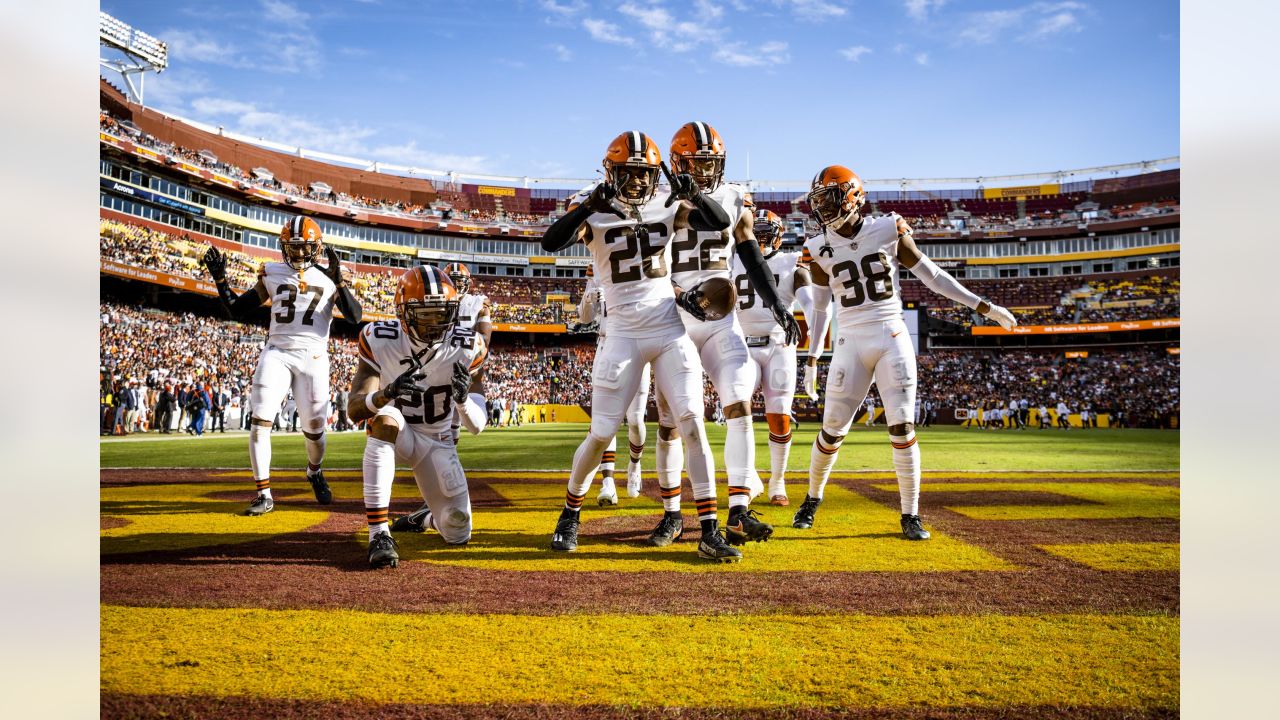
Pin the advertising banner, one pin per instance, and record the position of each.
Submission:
(496, 190)
(1082, 328)
(1021, 191)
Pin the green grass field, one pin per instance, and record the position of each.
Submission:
(551, 447)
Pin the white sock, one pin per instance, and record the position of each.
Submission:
(821, 458)
(699, 465)
(586, 460)
(635, 441)
(739, 458)
(315, 450)
(379, 474)
(260, 456)
(906, 463)
(779, 452)
(670, 459)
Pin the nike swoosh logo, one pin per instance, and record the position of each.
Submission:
(895, 334)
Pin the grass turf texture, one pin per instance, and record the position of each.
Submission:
(1120, 556)
(992, 660)
(551, 447)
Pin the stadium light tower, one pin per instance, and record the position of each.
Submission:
(141, 52)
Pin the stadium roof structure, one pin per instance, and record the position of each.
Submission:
(137, 53)
(457, 176)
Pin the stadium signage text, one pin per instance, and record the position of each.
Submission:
(1082, 328)
(163, 200)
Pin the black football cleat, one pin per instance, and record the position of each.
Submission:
(913, 529)
(669, 529)
(261, 505)
(320, 486)
(417, 521)
(382, 551)
(804, 516)
(713, 546)
(565, 538)
(746, 526)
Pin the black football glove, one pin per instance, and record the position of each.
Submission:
(216, 262)
(787, 322)
(683, 186)
(461, 382)
(334, 270)
(603, 199)
(691, 301)
(406, 384)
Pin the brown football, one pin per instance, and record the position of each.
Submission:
(718, 297)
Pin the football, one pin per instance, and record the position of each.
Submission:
(718, 297)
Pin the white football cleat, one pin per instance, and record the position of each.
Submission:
(633, 480)
(608, 495)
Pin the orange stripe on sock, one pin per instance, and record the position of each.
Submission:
(734, 490)
(903, 446)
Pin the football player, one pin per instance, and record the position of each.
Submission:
(627, 225)
(856, 259)
(413, 372)
(774, 356)
(303, 296)
(591, 308)
(697, 256)
(473, 314)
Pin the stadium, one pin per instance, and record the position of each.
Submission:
(1050, 587)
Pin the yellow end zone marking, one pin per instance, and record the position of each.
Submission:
(654, 660)
(179, 516)
(1116, 500)
(1119, 556)
(852, 534)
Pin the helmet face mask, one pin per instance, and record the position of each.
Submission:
(768, 236)
(460, 275)
(636, 184)
(300, 253)
(427, 321)
(707, 170)
(836, 196)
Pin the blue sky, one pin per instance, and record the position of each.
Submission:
(891, 88)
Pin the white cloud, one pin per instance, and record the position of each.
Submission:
(1035, 21)
(193, 47)
(921, 58)
(282, 12)
(572, 7)
(563, 54)
(855, 53)
(768, 54)
(605, 32)
(665, 31)
(816, 10)
(709, 10)
(920, 9)
(1054, 24)
(349, 139)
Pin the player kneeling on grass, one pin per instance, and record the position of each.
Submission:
(857, 258)
(303, 296)
(413, 372)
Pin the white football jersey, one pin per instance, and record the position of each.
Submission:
(387, 348)
(301, 305)
(631, 267)
(755, 317)
(472, 308)
(863, 270)
(697, 255)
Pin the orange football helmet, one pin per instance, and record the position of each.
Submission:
(300, 242)
(460, 276)
(426, 304)
(697, 149)
(591, 270)
(836, 196)
(768, 229)
(631, 165)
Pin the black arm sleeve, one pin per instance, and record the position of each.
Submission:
(708, 215)
(349, 306)
(238, 307)
(757, 272)
(564, 231)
